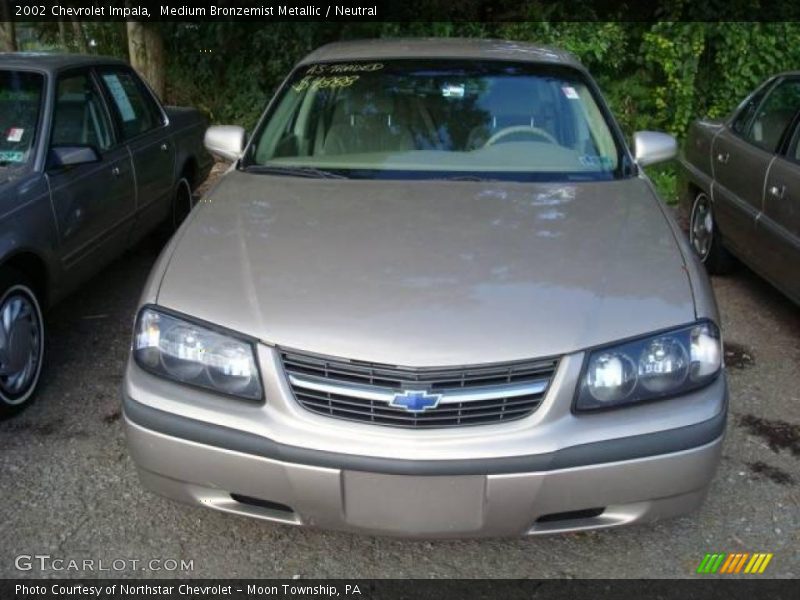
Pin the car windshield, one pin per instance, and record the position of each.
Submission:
(20, 102)
(436, 119)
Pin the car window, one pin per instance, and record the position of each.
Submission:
(774, 115)
(80, 117)
(20, 103)
(747, 111)
(433, 119)
(135, 107)
(794, 148)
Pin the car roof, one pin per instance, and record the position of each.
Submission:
(454, 48)
(52, 62)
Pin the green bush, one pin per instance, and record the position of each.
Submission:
(666, 181)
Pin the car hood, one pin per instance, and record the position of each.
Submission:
(430, 273)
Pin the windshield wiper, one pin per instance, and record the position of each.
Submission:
(294, 171)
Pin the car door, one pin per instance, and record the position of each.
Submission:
(740, 157)
(93, 203)
(143, 125)
(779, 226)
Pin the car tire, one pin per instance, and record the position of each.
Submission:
(706, 238)
(22, 339)
(182, 203)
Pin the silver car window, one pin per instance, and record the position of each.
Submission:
(480, 118)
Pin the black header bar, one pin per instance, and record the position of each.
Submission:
(734, 588)
(266, 11)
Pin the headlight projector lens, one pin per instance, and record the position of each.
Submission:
(611, 377)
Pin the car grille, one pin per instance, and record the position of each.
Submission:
(360, 391)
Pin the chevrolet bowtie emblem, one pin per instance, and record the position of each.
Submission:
(415, 400)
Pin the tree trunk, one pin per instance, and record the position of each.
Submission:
(8, 33)
(146, 51)
(62, 35)
(80, 37)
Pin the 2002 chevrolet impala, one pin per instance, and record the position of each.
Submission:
(436, 296)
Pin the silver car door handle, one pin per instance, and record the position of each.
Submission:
(115, 171)
(164, 147)
(723, 157)
(778, 191)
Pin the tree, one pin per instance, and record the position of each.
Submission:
(62, 35)
(80, 36)
(8, 34)
(146, 53)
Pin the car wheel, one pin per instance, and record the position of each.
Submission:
(21, 343)
(182, 203)
(705, 237)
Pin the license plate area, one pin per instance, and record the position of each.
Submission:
(414, 505)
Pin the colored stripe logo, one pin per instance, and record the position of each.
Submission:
(734, 563)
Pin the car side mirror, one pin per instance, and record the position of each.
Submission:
(650, 147)
(226, 141)
(70, 156)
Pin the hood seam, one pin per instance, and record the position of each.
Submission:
(672, 227)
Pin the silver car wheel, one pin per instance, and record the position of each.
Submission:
(21, 345)
(701, 226)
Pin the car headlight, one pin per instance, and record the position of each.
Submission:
(661, 365)
(189, 353)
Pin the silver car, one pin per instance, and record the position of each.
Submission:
(434, 297)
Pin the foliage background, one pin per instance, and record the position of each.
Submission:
(655, 75)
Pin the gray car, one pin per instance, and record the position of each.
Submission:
(89, 162)
(741, 181)
(435, 296)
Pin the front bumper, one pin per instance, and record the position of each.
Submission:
(586, 485)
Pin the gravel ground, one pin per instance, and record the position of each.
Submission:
(69, 489)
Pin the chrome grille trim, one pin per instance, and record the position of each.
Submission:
(364, 392)
(377, 394)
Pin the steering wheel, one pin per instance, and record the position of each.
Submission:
(529, 129)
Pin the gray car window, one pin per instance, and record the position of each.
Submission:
(794, 147)
(136, 110)
(774, 115)
(20, 102)
(80, 117)
(747, 111)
